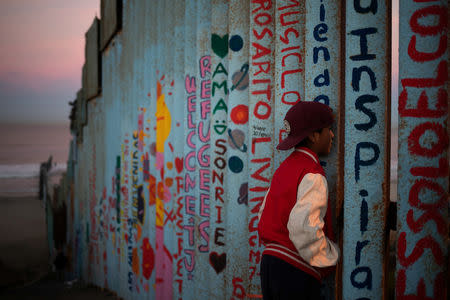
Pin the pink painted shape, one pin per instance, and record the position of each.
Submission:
(164, 274)
(159, 160)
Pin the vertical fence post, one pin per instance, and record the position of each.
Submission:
(218, 129)
(322, 83)
(289, 65)
(423, 168)
(148, 245)
(179, 141)
(190, 164)
(261, 139)
(366, 174)
(236, 175)
(203, 107)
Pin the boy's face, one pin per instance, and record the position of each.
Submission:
(323, 142)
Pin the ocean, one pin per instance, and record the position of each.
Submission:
(23, 147)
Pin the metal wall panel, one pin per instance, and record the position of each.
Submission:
(92, 76)
(236, 208)
(112, 166)
(261, 140)
(178, 133)
(322, 84)
(190, 162)
(289, 65)
(219, 116)
(366, 175)
(179, 150)
(202, 117)
(111, 20)
(423, 168)
(150, 82)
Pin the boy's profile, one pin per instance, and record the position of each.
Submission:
(293, 221)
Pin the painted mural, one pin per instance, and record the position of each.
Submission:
(178, 152)
(423, 151)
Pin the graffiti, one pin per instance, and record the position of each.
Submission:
(261, 128)
(236, 140)
(163, 260)
(289, 17)
(218, 262)
(365, 111)
(203, 158)
(116, 185)
(190, 179)
(236, 43)
(130, 253)
(243, 194)
(240, 79)
(238, 288)
(424, 195)
(236, 164)
(140, 204)
(321, 53)
(239, 114)
(137, 188)
(148, 258)
(219, 100)
(123, 187)
(219, 45)
(187, 144)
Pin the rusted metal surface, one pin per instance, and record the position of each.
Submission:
(110, 21)
(236, 208)
(175, 155)
(202, 117)
(189, 159)
(322, 82)
(179, 141)
(92, 74)
(81, 120)
(365, 180)
(289, 65)
(218, 141)
(423, 169)
(261, 138)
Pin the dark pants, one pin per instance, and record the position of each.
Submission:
(282, 281)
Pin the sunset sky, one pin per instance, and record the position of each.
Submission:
(42, 54)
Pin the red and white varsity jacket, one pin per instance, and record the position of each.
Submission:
(294, 224)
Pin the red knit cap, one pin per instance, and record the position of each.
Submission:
(302, 119)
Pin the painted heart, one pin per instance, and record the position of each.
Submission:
(219, 45)
(218, 262)
(148, 258)
(179, 164)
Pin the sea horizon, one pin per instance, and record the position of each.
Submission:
(23, 147)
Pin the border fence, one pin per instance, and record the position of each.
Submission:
(175, 127)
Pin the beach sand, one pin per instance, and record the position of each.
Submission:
(23, 245)
(24, 254)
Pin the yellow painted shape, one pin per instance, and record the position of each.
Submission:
(163, 120)
(159, 212)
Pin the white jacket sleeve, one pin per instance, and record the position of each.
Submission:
(263, 205)
(306, 223)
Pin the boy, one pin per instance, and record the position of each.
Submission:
(291, 219)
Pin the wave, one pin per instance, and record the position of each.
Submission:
(28, 170)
